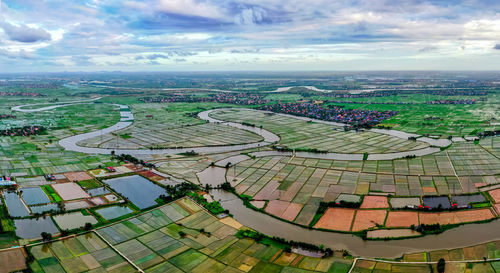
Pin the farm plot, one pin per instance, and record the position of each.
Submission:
(300, 134)
(78, 254)
(113, 212)
(178, 237)
(161, 136)
(70, 191)
(73, 220)
(295, 186)
(40, 155)
(15, 205)
(470, 159)
(173, 126)
(32, 228)
(137, 189)
(13, 260)
(34, 196)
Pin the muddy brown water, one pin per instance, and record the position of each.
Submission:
(462, 236)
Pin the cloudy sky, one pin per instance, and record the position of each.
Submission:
(178, 35)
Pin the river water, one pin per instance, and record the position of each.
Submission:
(462, 236)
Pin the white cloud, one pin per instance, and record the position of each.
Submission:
(192, 8)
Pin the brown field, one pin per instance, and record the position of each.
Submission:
(401, 219)
(374, 202)
(442, 218)
(495, 194)
(366, 219)
(70, 191)
(276, 207)
(474, 215)
(151, 175)
(428, 190)
(497, 208)
(291, 211)
(77, 176)
(336, 219)
(12, 260)
(268, 192)
(457, 217)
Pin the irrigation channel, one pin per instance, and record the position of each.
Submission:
(461, 236)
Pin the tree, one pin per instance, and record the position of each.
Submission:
(441, 265)
(46, 236)
(87, 226)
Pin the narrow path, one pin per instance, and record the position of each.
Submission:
(53, 105)
(416, 263)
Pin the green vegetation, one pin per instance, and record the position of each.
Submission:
(51, 193)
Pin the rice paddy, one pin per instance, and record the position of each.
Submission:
(299, 134)
(292, 188)
(168, 239)
(157, 126)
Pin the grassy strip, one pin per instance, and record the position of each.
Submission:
(282, 243)
(52, 193)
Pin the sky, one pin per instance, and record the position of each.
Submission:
(255, 35)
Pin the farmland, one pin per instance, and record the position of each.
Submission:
(299, 134)
(123, 207)
(158, 126)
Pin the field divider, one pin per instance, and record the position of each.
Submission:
(417, 263)
(119, 253)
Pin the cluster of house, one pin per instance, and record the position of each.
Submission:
(468, 101)
(6, 116)
(21, 94)
(23, 131)
(233, 98)
(336, 114)
(7, 182)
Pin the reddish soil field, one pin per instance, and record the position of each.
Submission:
(474, 215)
(497, 208)
(442, 218)
(495, 194)
(241, 188)
(374, 202)
(276, 207)
(366, 219)
(336, 219)
(12, 260)
(291, 192)
(147, 174)
(428, 189)
(77, 176)
(402, 219)
(133, 168)
(268, 192)
(292, 211)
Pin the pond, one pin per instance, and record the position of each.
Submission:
(74, 220)
(140, 191)
(465, 200)
(436, 202)
(32, 228)
(34, 196)
(14, 204)
(98, 191)
(44, 208)
(114, 212)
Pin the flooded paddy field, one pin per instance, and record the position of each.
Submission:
(140, 191)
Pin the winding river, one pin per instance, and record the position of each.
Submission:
(462, 236)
